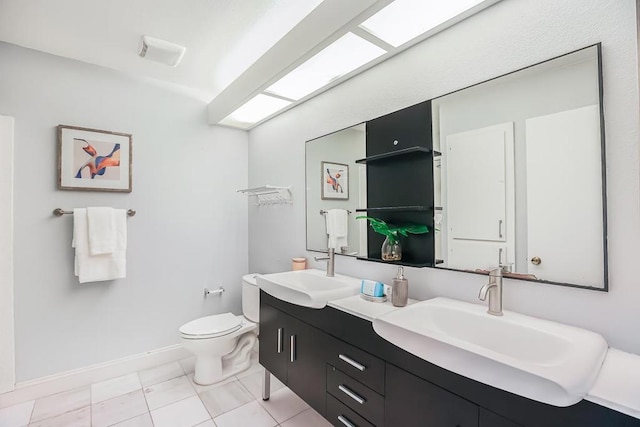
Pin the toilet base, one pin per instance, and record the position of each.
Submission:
(211, 369)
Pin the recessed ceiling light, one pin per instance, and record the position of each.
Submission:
(254, 110)
(339, 58)
(403, 20)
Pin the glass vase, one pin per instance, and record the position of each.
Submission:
(391, 250)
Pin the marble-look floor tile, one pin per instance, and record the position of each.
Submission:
(16, 415)
(188, 365)
(184, 413)
(78, 418)
(308, 418)
(143, 420)
(114, 387)
(168, 392)
(253, 383)
(283, 404)
(251, 414)
(202, 388)
(253, 368)
(208, 423)
(118, 409)
(57, 404)
(160, 374)
(225, 398)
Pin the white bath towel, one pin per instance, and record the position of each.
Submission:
(96, 268)
(337, 228)
(102, 232)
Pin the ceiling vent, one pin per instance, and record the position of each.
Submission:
(161, 51)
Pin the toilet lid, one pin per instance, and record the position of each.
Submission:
(212, 326)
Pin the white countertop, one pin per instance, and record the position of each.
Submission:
(367, 310)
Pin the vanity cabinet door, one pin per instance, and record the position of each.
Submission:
(306, 369)
(411, 401)
(273, 346)
(489, 419)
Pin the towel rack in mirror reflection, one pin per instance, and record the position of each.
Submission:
(60, 212)
(323, 212)
(269, 195)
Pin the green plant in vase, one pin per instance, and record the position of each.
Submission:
(391, 249)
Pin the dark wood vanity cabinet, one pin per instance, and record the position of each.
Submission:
(400, 180)
(345, 371)
(294, 352)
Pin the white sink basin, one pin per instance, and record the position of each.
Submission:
(538, 359)
(308, 288)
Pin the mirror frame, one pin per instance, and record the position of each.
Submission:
(605, 287)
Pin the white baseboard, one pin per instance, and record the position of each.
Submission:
(45, 386)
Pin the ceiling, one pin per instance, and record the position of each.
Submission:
(235, 49)
(223, 37)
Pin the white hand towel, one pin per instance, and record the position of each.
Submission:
(102, 232)
(95, 268)
(337, 228)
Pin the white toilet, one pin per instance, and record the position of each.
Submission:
(222, 343)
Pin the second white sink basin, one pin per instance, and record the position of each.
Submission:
(538, 359)
(308, 288)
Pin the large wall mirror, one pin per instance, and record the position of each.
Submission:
(520, 178)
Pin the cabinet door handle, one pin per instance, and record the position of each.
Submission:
(351, 394)
(500, 229)
(280, 332)
(344, 420)
(352, 362)
(293, 348)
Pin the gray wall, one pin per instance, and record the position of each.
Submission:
(190, 230)
(509, 35)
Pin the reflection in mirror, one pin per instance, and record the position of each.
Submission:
(520, 179)
(335, 182)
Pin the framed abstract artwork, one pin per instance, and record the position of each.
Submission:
(335, 181)
(94, 160)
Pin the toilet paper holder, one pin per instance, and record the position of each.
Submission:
(218, 291)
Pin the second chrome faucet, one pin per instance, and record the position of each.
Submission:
(494, 290)
(330, 258)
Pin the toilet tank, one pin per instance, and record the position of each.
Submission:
(250, 298)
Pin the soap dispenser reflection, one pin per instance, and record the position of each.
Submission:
(400, 289)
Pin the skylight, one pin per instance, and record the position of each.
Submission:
(404, 20)
(254, 110)
(339, 58)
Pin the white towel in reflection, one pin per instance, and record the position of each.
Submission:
(96, 268)
(101, 228)
(337, 228)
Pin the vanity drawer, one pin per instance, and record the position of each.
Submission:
(341, 415)
(358, 397)
(358, 364)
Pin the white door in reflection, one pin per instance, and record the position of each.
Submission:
(480, 197)
(564, 197)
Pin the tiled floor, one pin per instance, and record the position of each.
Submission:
(166, 396)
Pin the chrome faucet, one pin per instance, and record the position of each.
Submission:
(331, 261)
(494, 289)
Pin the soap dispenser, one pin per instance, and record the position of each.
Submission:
(400, 289)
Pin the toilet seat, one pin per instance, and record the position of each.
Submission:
(211, 326)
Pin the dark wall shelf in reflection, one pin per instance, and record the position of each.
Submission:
(394, 154)
(396, 209)
(401, 262)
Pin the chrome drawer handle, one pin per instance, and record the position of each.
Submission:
(351, 394)
(280, 331)
(352, 362)
(293, 348)
(345, 421)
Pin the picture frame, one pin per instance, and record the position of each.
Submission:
(334, 181)
(94, 160)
